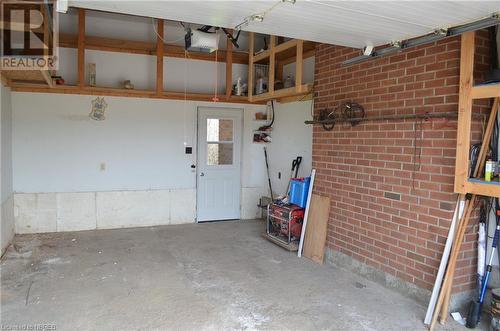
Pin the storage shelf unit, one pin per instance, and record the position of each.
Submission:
(468, 92)
(283, 54)
(275, 57)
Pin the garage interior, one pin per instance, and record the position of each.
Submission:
(250, 165)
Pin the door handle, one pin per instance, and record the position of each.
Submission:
(202, 174)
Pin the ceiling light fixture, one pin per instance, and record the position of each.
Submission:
(289, 1)
(257, 18)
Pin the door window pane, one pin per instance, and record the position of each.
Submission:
(219, 129)
(219, 154)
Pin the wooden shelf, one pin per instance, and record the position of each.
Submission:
(486, 91)
(481, 187)
(283, 93)
(109, 91)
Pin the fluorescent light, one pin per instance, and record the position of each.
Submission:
(437, 35)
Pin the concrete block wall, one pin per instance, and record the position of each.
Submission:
(391, 182)
(76, 211)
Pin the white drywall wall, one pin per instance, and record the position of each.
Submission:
(6, 197)
(291, 138)
(140, 144)
(113, 68)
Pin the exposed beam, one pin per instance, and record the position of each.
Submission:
(159, 56)
(229, 66)
(146, 48)
(81, 47)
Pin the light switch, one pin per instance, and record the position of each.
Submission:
(103, 166)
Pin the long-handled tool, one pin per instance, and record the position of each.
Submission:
(268, 176)
(442, 303)
(475, 307)
(295, 167)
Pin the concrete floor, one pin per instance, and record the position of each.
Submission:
(212, 276)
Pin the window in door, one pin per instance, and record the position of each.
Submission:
(219, 141)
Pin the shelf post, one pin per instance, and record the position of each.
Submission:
(250, 65)
(81, 48)
(464, 110)
(229, 66)
(159, 57)
(272, 64)
(298, 66)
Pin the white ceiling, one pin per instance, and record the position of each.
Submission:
(346, 23)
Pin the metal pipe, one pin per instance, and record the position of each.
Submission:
(392, 117)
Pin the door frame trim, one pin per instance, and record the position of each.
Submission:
(242, 114)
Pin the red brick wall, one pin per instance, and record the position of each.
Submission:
(361, 167)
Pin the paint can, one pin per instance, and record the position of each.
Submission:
(495, 309)
(489, 170)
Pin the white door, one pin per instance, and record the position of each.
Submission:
(219, 166)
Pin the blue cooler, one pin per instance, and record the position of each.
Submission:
(299, 188)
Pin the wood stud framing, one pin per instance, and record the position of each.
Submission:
(159, 57)
(272, 64)
(276, 68)
(280, 56)
(146, 48)
(298, 65)
(251, 46)
(81, 47)
(229, 66)
(466, 95)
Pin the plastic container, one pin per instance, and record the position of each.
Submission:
(299, 188)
